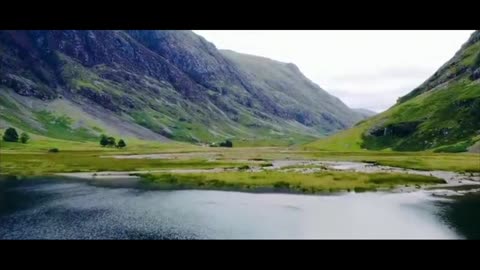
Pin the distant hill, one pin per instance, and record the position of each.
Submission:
(442, 114)
(365, 113)
(290, 90)
(157, 85)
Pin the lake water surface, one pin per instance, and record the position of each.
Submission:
(70, 209)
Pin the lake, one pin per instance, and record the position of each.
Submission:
(60, 208)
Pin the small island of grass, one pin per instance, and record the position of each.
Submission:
(319, 182)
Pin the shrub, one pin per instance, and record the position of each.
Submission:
(121, 144)
(360, 189)
(103, 140)
(10, 135)
(454, 148)
(111, 141)
(24, 137)
(54, 150)
(227, 143)
(244, 167)
(217, 183)
(281, 184)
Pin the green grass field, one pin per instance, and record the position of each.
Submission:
(347, 140)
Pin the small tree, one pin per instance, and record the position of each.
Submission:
(10, 135)
(121, 144)
(111, 141)
(24, 137)
(103, 140)
(227, 143)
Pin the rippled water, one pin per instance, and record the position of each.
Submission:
(68, 209)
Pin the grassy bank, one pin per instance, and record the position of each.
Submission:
(28, 164)
(282, 181)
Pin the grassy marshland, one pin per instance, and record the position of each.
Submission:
(34, 158)
(327, 181)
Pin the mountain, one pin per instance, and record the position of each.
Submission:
(442, 114)
(156, 85)
(365, 113)
(292, 91)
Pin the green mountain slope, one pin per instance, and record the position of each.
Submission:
(442, 115)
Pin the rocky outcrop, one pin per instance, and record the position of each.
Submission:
(26, 87)
(402, 129)
(475, 75)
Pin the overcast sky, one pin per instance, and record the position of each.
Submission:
(365, 69)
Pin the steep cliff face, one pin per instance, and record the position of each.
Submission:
(155, 85)
(442, 114)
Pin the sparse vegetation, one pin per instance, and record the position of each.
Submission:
(61, 126)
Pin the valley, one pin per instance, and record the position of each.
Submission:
(156, 134)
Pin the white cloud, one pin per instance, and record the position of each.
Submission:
(368, 69)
